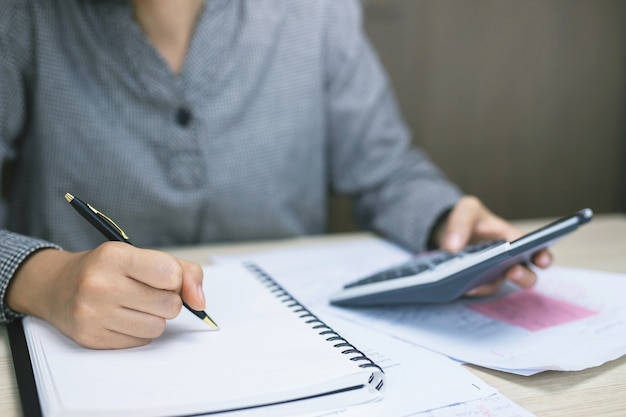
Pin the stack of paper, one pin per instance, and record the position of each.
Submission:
(574, 319)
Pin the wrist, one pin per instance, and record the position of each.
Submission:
(27, 291)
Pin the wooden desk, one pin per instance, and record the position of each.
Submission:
(593, 392)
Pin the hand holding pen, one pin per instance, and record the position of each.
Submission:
(113, 232)
(114, 296)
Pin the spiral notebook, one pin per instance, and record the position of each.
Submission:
(271, 357)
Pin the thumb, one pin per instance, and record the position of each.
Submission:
(458, 230)
(191, 290)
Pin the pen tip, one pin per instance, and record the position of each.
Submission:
(69, 197)
(210, 323)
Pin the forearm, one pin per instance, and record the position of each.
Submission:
(408, 212)
(398, 191)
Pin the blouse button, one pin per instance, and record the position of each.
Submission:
(183, 117)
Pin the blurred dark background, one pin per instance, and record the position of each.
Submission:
(522, 103)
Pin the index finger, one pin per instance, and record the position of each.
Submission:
(543, 258)
(151, 267)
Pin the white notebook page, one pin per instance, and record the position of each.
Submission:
(263, 353)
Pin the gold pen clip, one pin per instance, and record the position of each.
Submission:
(111, 222)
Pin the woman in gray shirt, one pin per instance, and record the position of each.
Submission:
(195, 122)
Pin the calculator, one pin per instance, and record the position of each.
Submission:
(440, 276)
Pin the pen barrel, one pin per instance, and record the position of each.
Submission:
(199, 314)
(108, 230)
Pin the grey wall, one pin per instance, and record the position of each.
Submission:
(521, 102)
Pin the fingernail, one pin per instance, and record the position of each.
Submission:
(545, 260)
(472, 292)
(454, 241)
(200, 294)
(516, 275)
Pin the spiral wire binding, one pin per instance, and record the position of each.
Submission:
(316, 324)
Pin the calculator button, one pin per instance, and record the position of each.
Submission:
(424, 262)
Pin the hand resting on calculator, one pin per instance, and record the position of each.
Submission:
(441, 276)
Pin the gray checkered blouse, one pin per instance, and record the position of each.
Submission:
(279, 103)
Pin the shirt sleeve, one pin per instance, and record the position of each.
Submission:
(14, 249)
(15, 53)
(398, 191)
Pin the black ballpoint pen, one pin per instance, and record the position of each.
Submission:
(113, 232)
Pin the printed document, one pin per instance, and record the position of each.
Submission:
(573, 319)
